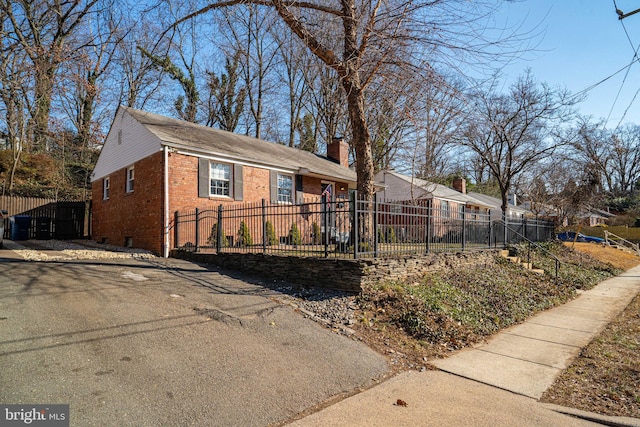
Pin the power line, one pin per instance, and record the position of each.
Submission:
(634, 59)
(593, 86)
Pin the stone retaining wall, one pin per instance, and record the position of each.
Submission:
(342, 274)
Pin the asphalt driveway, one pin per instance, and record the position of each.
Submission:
(164, 342)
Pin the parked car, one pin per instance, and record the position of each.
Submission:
(570, 236)
(2, 214)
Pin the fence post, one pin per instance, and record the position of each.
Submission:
(219, 230)
(197, 229)
(325, 219)
(264, 226)
(428, 232)
(375, 225)
(356, 238)
(492, 235)
(464, 227)
(176, 233)
(505, 229)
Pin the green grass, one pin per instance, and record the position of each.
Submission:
(452, 306)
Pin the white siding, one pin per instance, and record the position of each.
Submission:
(398, 189)
(127, 142)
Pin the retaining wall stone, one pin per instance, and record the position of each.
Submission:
(341, 274)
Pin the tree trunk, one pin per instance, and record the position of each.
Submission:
(44, 80)
(361, 140)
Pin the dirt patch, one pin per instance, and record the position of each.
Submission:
(605, 378)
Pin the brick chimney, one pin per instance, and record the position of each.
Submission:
(460, 185)
(338, 151)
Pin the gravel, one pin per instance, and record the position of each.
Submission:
(335, 309)
(73, 250)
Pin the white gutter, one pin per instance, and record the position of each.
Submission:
(166, 203)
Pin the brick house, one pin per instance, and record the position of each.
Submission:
(395, 186)
(152, 166)
(445, 205)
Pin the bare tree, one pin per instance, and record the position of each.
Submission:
(186, 80)
(436, 112)
(613, 155)
(625, 160)
(13, 95)
(226, 97)
(43, 31)
(136, 74)
(250, 35)
(511, 132)
(291, 70)
(359, 40)
(327, 103)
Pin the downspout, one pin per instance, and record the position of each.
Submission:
(166, 202)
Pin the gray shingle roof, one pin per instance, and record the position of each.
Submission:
(206, 140)
(440, 191)
(496, 203)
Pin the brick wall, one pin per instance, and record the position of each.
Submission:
(138, 215)
(342, 274)
(183, 195)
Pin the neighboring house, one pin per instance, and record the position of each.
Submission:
(395, 186)
(592, 217)
(152, 166)
(513, 212)
(444, 206)
(585, 215)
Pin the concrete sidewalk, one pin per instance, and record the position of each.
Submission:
(498, 383)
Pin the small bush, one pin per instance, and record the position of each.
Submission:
(213, 237)
(244, 235)
(271, 234)
(317, 235)
(294, 235)
(391, 235)
(387, 235)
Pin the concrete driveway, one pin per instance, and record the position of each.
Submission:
(164, 342)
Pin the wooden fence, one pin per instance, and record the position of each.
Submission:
(18, 205)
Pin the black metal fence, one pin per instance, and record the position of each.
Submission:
(54, 220)
(353, 228)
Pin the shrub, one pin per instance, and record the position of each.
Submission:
(244, 235)
(271, 234)
(317, 235)
(391, 235)
(213, 237)
(294, 235)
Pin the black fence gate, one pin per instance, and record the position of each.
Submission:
(55, 220)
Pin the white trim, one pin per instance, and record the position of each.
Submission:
(228, 159)
(293, 188)
(106, 187)
(230, 180)
(130, 180)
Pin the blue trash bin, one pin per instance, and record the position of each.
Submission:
(20, 225)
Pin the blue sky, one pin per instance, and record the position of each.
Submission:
(583, 42)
